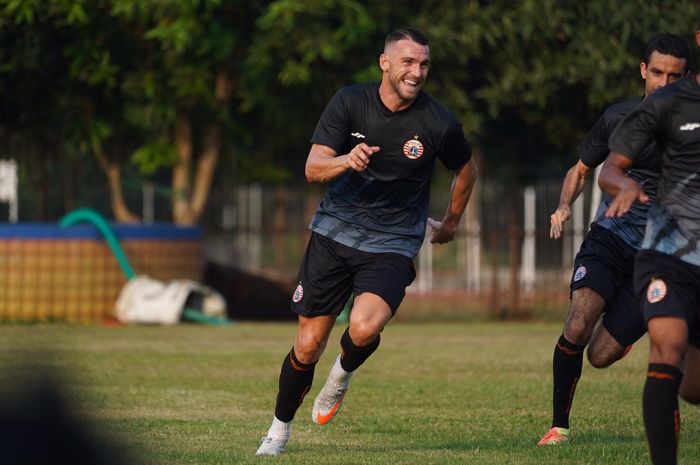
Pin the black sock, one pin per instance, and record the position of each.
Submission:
(353, 356)
(566, 371)
(661, 415)
(295, 382)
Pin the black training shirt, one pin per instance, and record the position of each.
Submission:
(671, 116)
(593, 150)
(385, 207)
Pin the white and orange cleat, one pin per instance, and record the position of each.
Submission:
(330, 398)
(554, 436)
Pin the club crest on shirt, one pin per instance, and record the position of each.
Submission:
(413, 148)
(298, 294)
(656, 291)
(580, 273)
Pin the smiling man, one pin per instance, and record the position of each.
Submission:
(376, 146)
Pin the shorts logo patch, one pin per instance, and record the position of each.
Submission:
(656, 291)
(298, 294)
(413, 148)
(580, 273)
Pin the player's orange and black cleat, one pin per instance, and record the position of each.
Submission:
(330, 398)
(554, 436)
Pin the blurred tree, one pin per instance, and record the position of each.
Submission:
(176, 83)
(301, 53)
(529, 78)
(181, 91)
(35, 92)
(126, 80)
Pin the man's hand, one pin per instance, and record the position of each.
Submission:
(442, 232)
(358, 158)
(625, 198)
(557, 220)
(624, 190)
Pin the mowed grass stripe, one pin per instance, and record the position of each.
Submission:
(434, 393)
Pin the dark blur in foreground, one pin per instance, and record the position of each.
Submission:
(40, 423)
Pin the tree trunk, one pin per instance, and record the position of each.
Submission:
(189, 200)
(120, 209)
(182, 212)
(205, 171)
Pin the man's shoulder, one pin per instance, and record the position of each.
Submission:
(620, 109)
(365, 90)
(683, 87)
(437, 110)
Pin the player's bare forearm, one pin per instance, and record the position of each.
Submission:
(462, 186)
(612, 176)
(624, 190)
(574, 183)
(324, 164)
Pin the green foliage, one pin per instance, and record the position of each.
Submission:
(300, 35)
(149, 157)
(20, 11)
(527, 79)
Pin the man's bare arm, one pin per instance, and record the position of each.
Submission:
(324, 164)
(574, 182)
(462, 185)
(624, 190)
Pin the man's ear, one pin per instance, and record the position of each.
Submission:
(384, 62)
(643, 70)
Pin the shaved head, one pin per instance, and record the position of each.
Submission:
(405, 33)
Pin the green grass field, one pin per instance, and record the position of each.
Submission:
(442, 393)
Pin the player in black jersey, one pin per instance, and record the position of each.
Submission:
(601, 283)
(667, 269)
(376, 145)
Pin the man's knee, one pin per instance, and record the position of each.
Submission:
(604, 349)
(666, 354)
(367, 319)
(576, 331)
(363, 331)
(586, 308)
(309, 347)
(602, 359)
(668, 338)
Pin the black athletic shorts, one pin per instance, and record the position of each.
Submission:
(331, 271)
(669, 286)
(605, 264)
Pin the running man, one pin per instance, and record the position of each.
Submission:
(667, 269)
(602, 279)
(376, 144)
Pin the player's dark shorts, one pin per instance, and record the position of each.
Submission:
(669, 286)
(605, 264)
(331, 271)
